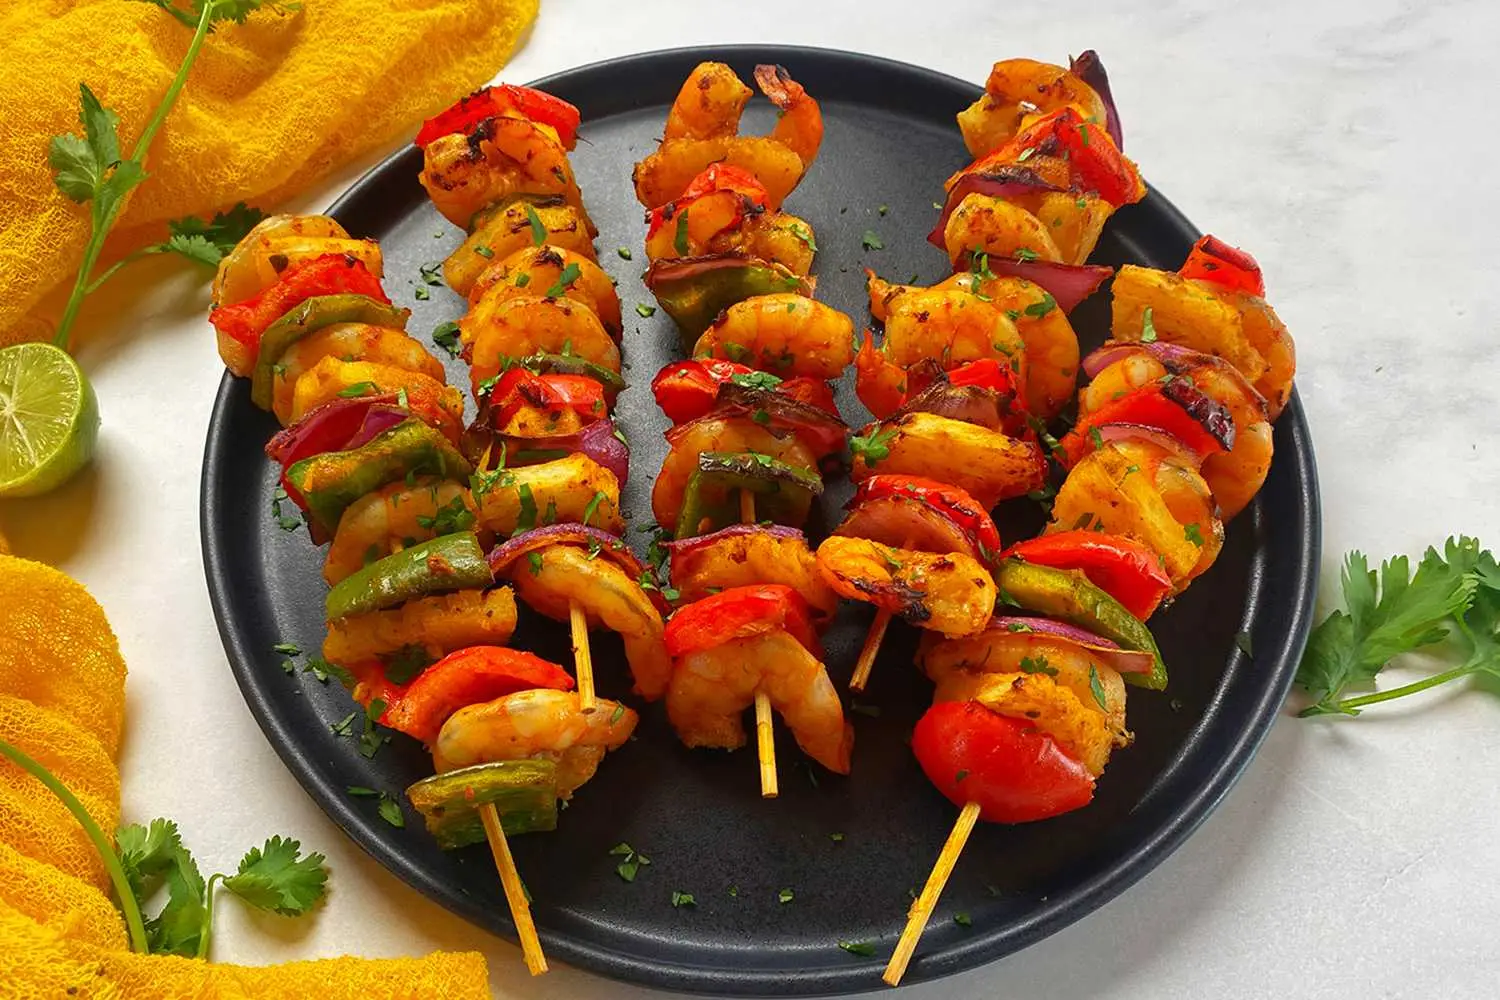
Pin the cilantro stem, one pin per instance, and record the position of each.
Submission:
(102, 223)
(109, 272)
(1349, 705)
(129, 906)
(208, 915)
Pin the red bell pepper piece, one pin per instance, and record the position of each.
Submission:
(1013, 772)
(1128, 571)
(488, 102)
(738, 613)
(1094, 162)
(1214, 260)
(330, 274)
(814, 392)
(687, 390)
(953, 503)
(717, 178)
(1147, 406)
(551, 393)
(465, 677)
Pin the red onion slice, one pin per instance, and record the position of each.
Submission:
(1069, 284)
(1006, 182)
(330, 427)
(502, 556)
(1140, 432)
(1125, 661)
(1174, 357)
(683, 546)
(378, 419)
(1089, 68)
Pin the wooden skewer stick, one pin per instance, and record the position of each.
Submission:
(921, 910)
(871, 648)
(765, 735)
(583, 662)
(515, 892)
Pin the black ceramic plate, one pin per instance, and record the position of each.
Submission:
(890, 141)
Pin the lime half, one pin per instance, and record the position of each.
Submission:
(49, 419)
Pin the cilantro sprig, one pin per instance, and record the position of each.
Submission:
(1453, 595)
(91, 168)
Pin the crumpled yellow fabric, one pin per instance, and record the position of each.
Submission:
(271, 106)
(62, 703)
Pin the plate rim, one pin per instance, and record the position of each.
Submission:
(984, 947)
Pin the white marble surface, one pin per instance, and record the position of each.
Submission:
(1351, 145)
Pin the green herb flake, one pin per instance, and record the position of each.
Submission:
(1148, 328)
(565, 279)
(962, 919)
(624, 253)
(873, 447)
(1096, 688)
(681, 899)
(287, 649)
(485, 252)
(538, 230)
(680, 239)
(390, 811)
(356, 390)
(1242, 640)
(1194, 534)
(1039, 310)
(863, 949)
(784, 896)
(871, 241)
(644, 311)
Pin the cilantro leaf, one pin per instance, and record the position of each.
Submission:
(874, 446)
(277, 878)
(80, 164)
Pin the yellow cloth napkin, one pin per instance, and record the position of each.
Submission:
(271, 106)
(62, 701)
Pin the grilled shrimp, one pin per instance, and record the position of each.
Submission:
(740, 558)
(711, 689)
(1234, 477)
(499, 158)
(1017, 93)
(348, 342)
(1140, 489)
(732, 434)
(784, 333)
(500, 327)
(1051, 370)
(709, 104)
(564, 574)
(987, 464)
(506, 228)
(952, 325)
(396, 514)
(997, 227)
(538, 723)
(242, 273)
(666, 173)
(538, 270)
(438, 625)
(778, 237)
(799, 127)
(565, 487)
(947, 592)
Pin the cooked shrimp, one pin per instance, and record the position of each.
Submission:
(1269, 335)
(711, 689)
(772, 236)
(997, 227)
(735, 435)
(709, 104)
(501, 326)
(506, 228)
(666, 173)
(800, 125)
(741, 558)
(878, 382)
(540, 270)
(348, 342)
(1017, 93)
(499, 158)
(1194, 314)
(987, 464)
(563, 575)
(240, 276)
(947, 592)
(1234, 477)
(1139, 489)
(396, 514)
(438, 625)
(538, 723)
(1051, 345)
(331, 379)
(953, 325)
(565, 487)
(688, 230)
(784, 333)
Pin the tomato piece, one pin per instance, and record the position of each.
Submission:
(464, 677)
(741, 612)
(1148, 406)
(1013, 772)
(330, 274)
(1215, 261)
(1128, 571)
(950, 501)
(488, 102)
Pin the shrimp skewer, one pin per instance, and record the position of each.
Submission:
(765, 735)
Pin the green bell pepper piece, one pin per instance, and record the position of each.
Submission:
(694, 290)
(1068, 595)
(783, 493)
(523, 792)
(333, 480)
(448, 562)
(308, 317)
